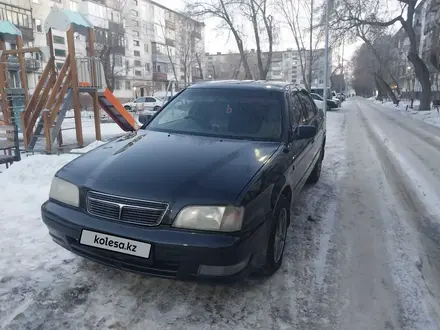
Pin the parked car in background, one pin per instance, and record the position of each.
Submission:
(331, 104)
(144, 103)
(318, 100)
(204, 188)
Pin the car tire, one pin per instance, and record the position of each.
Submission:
(277, 238)
(127, 107)
(316, 173)
(156, 108)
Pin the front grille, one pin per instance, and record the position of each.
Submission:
(140, 212)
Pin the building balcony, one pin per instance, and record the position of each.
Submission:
(30, 64)
(170, 42)
(160, 58)
(170, 24)
(160, 76)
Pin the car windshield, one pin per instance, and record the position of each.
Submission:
(222, 112)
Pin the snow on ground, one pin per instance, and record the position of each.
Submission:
(350, 258)
(43, 285)
(432, 116)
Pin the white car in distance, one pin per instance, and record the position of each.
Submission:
(148, 103)
(319, 101)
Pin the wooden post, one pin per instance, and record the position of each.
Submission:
(74, 73)
(4, 84)
(49, 42)
(22, 70)
(97, 117)
(46, 126)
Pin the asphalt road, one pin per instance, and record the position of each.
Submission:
(362, 252)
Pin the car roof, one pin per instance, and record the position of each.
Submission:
(247, 84)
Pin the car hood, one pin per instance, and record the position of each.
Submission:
(168, 167)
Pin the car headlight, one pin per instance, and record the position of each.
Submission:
(215, 218)
(64, 192)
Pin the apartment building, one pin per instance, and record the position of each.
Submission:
(148, 43)
(19, 12)
(285, 65)
(427, 28)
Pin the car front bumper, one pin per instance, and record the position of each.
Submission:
(174, 253)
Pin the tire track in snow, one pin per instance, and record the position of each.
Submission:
(418, 309)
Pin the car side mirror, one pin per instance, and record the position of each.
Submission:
(304, 132)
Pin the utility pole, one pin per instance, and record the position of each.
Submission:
(326, 66)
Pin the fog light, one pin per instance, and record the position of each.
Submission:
(223, 270)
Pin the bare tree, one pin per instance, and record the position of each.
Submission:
(263, 26)
(295, 13)
(110, 42)
(363, 68)
(224, 11)
(169, 45)
(350, 14)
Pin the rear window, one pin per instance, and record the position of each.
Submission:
(229, 113)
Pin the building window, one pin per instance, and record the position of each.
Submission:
(135, 23)
(127, 65)
(127, 84)
(17, 16)
(136, 33)
(137, 63)
(146, 48)
(147, 66)
(60, 52)
(58, 40)
(136, 43)
(117, 84)
(138, 73)
(134, 12)
(118, 60)
(73, 6)
(137, 53)
(37, 25)
(59, 65)
(135, 2)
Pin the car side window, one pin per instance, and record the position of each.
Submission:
(140, 100)
(309, 106)
(301, 109)
(150, 100)
(295, 110)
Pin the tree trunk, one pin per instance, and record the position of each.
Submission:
(380, 92)
(420, 69)
(199, 63)
(257, 41)
(388, 89)
(423, 75)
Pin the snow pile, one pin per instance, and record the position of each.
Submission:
(430, 116)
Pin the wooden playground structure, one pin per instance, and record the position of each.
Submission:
(59, 91)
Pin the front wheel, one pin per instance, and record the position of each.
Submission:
(277, 238)
(156, 108)
(127, 107)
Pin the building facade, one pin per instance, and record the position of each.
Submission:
(427, 28)
(285, 66)
(142, 44)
